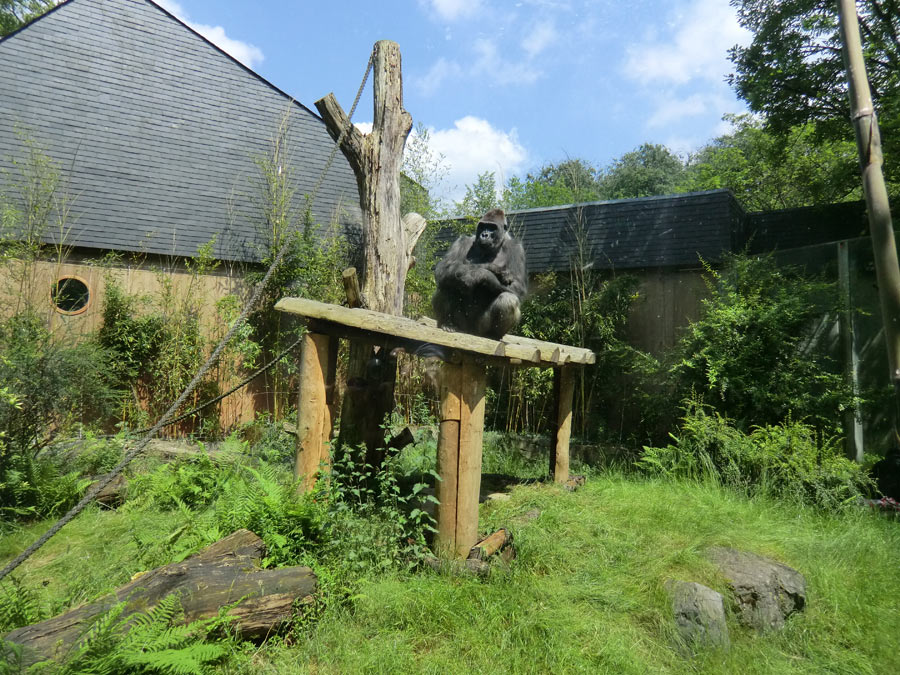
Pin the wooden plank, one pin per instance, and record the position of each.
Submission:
(547, 351)
(312, 409)
(384, 325)
(564, 386)
(471, 431)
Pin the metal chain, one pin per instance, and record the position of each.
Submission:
(204, 369)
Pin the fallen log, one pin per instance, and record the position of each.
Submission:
(223, 573)
(488, 546)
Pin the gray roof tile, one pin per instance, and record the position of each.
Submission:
(156, 129)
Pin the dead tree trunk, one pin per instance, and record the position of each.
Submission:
(388, 241)
(220, 574)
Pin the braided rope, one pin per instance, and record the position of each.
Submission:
(204, 369)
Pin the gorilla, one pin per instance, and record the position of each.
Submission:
(481, 281)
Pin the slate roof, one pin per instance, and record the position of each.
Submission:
(667, 231)
(156, 129)
(805, 226)
(673, 231)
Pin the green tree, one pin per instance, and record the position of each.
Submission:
(647, 171)
(481, 196)
(766, 171)
(792, 72)
(572, 181)
(16, 13)
(753, 354)
(421, 174)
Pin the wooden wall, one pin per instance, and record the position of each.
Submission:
(668, 300)
(147, 279)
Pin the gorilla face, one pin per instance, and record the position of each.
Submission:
(488, 237)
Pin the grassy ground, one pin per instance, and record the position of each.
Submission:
(585, 594)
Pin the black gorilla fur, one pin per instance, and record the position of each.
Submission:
(481, 281)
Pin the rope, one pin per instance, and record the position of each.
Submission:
(247, 380)
(204, 369)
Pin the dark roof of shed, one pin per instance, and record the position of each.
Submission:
(156, 130)
(804, 226)
(665, 231)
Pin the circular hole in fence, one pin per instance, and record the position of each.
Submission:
(70, 295)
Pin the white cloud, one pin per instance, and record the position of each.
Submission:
(696, 45)
(543, 35)
(450, 10)
(248, 54)
(490, 63)
(441, 71)
(672, 109)
(472, 147)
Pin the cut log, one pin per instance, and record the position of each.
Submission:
(223, 573)
(488, 546)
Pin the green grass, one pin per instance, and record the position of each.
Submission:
(585, 594)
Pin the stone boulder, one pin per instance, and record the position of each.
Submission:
(766, 591)
(699, 615)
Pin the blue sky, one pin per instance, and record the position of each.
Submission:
(502, 86)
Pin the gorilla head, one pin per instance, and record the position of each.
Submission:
(490, 234)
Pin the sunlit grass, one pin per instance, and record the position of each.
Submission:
(586, 593)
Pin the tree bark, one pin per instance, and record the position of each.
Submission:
(388, 242)
(868, 143)
(220, 574)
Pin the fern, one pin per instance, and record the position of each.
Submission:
(19, 605)
(148, 642)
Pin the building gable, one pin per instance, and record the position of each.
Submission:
(157, 130)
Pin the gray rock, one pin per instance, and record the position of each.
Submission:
(766, 591)
(699, 615)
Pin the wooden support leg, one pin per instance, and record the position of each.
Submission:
(313, 414)
(459, 457)
(564, 387)
(330, 398)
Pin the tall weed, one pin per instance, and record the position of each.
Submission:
(789, 460)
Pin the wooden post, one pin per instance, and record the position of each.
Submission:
(853, 427)
(314, 417)
(459, 456)
(564, 388)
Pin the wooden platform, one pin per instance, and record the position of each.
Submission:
(463, 381)
(400, 331)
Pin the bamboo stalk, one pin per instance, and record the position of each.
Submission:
(868, 143)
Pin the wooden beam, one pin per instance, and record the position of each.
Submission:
(448, 457)
(382, 326)
(351, 288)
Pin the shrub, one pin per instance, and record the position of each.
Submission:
(194, 481)
(50, 386)
(753, 356)
(789, 460)
(376, 519)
